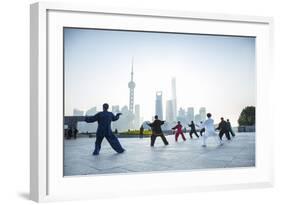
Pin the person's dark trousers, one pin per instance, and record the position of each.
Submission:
(221, 133)
(201, 131)
(193, 132)
(227, 135)
(153, 138)
(113, 141)
(232, 133)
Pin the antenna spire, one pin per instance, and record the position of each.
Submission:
(132, 72)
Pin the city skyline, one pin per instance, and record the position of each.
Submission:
(224, 82)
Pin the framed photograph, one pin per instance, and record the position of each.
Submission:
(133, 102)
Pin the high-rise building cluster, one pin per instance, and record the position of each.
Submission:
(131, 118)
(173, 114)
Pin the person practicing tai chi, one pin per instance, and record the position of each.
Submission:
(209, 127)
(202, 130)
(104, 120)
(179, 131)
(223, 128)
(192, 130)
(141, 131)
(157, 131)
(229, 127)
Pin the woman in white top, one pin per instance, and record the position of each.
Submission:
(209, 130)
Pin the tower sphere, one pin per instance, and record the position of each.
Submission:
(131, 84)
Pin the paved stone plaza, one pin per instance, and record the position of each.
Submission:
(140, 157)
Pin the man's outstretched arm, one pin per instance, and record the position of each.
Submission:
(116, 117)
(92, 118)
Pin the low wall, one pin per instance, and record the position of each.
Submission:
(247, 128)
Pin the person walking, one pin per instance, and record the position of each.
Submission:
(192, 130)
(104, 120)
(229, 127)
(157, 131)
(202, 130)
(141, 131)
(223, 129)
(209, 127)
(179, 131)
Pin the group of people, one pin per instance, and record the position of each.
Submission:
(71, 132)
(207, 129)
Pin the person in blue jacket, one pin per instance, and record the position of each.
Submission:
(104, 120)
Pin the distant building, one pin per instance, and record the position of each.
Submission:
(197, 118)
(115, 109)
(169, 111)
(126, 120)
(190, 114)
(158, 105)
(174, 99)
(181, 113)
(91, 111)
(77, 112)
(202, 113)
(137, 117)
(182, 116)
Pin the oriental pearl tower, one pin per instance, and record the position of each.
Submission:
(132, 86)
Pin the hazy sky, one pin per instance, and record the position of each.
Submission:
(216, 72)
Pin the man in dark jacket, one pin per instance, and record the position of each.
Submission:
(69, 133)
(157, 131)
(223, 128)
(75, 132)
(104, 120)
(141, 131)
(229, 127)
(192, 130)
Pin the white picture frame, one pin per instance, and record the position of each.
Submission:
(46, 178)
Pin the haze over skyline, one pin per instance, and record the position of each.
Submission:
(216, 72)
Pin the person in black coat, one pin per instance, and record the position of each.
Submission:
(202, 130)
(75, 132)
(157, 131)
(230, 128)
(192, 130)
(141, 131)
(69, 133)
(104, 120)
(223, 129)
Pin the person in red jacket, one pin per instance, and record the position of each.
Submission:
(179, 131)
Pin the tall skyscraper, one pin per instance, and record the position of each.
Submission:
(158, 105)
(132, 86)
(137, 117)
(169, 111)
(202, 113)
(174, 99)
(190, 114)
